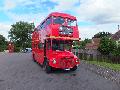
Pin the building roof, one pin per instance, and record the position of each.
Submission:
(96, 40)
(94, 44)
(116, 36)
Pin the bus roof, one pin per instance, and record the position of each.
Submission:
(64, 15)
(57, 14)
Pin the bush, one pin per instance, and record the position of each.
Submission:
(17, 49)
(2, 48)
(107, 46)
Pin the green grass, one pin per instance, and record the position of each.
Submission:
(112, 66)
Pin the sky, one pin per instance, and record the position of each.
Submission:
(93, 15)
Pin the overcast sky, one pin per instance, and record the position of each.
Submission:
(93, 15)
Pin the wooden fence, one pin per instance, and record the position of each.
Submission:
(98, 57)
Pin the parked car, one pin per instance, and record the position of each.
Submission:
(27, 50)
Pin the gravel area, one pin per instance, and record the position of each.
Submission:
(105, 72)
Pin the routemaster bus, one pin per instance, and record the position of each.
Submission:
(52, 42)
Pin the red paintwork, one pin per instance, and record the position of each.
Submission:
(10, 47)
(64, 59)
(64, 15)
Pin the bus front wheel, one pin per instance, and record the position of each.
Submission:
(74, 68)
(47, 67)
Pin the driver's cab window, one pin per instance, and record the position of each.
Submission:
(61, 45)
(55, 45)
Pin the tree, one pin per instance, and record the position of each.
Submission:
(107, 46)
(102, 34)
(20, 34)
(3, 43)
(116, 51)
(81, 44)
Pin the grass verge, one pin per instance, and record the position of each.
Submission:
(115, 67)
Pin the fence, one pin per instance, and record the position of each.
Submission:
(97, 57)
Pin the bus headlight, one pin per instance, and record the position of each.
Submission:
(77, 60)
(60, 28)
(54, 61)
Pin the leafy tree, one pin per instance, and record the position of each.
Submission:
(76, 44)
(81, 44)
(102, 34)
(116, 51)
(3, 43)
(107, 46)
(20, 34)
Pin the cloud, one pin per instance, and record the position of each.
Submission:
(13, 4)
(4, 28)
(31, 17)
(64, 5)
(96, 11)
(90, 31)
(99, 11)
(9, 4)
(103, 13)
(29, 10)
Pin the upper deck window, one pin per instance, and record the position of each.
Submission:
(58, 20)
(71, 22)
(48, 21)
(42, 26)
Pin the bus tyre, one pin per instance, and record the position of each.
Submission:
(74, 68)
(47, 67)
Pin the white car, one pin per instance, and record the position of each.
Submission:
(27, 50)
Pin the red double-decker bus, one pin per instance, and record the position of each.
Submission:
(10, 47)
(52, 42)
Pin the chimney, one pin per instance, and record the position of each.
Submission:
(118, 27)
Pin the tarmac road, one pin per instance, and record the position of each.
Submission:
(19, 72)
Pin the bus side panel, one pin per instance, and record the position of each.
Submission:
(40, 55)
